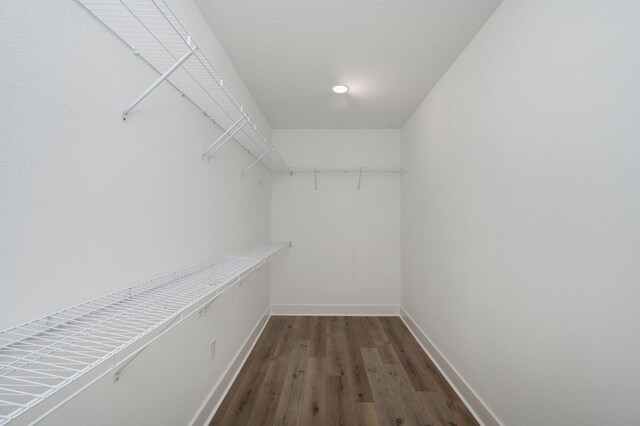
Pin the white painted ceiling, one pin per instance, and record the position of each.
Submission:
(390, 54)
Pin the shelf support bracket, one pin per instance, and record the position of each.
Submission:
(359, 178)
(224, 138)
(315, 179)
(163, 77)
(244, 172)
(117, 368)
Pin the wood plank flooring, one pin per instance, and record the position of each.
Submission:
(340, 371)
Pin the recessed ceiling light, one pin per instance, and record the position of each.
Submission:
(340, 89)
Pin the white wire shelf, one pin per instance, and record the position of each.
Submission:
(152, 31)
(41, 357)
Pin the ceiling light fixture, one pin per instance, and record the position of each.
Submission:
(340, 89)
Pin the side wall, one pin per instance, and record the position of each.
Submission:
(90, 204)
(346, 243)
(521, 213)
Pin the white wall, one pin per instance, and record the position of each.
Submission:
(90, 204)
(521, 213)
(346, 244)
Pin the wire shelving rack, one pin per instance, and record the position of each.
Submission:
(153, 32)
(41, 357)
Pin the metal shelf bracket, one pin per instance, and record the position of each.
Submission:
(315, 179)
(224, 138)
(245, 171)
(163, 77)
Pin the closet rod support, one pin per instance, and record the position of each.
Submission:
(315, 179)
(117, 368)
(224, 138)
(163, 77)
(244, 172)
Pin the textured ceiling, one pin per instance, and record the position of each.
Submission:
(390, 54)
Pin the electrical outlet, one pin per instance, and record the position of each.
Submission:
(212, 350)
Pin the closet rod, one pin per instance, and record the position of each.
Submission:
(348, 169)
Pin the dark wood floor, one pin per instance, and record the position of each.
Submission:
(340, 371)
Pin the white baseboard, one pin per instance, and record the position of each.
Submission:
(338, 310)
(220, 390)
(478, 408)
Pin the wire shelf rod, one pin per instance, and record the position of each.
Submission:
(120, 314)
(347, 170)
(41, 357)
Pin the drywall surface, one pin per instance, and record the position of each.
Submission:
(346, 243)
(521, 213)
(90, 205)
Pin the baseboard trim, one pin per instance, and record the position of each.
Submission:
(474, 403)
(478, 408)
(220, 390)
(340, 310)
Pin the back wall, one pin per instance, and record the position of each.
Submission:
(346, 243)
